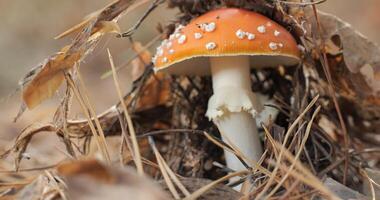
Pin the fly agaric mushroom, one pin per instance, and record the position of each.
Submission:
(226, 43)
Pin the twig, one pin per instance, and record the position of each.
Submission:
(86, 112)
(135, 144)
(303, 174)
(287, 135)
(93, 113)
(140, 21)
(326, 69)
(167, 168)
(134, 56)
(370, 181)
(308, 130)
(164, 173)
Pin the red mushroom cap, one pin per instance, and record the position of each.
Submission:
(226, 32)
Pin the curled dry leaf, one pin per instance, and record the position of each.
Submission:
(156, 89)
(141, 61)
(49, 77)
(361, 57)
(89, 179)
(155, 92)
(42, 82)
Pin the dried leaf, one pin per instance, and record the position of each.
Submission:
(155, 92)
(89, 179)
(361, 56)
(76, 28)
(42, 82)
(141, 61)
(38, 189)
(49, 78)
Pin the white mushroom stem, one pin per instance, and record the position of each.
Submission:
(232, 107)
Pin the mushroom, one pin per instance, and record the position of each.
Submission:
(225, 43)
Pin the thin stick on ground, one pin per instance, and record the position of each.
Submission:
(172, 175)
(370, 182)
(98, 140)
(164, 173)
(326, 69)
(136, 149)
(93, 113)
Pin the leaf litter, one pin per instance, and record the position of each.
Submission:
(306, 144)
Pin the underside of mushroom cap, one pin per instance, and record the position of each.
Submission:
(226, 32)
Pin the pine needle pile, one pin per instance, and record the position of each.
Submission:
(328, 114)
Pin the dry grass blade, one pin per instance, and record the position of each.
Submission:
(173, 176)
(55, 186)
(326, 69)
(303, 174)
(93, 113)
(164, 173)
(135, 55)
(205, 188)
(287, 135)
(302, 145)
(93, 15)
(136, 149)
(270, 139)
(371, 182)
(100, 143)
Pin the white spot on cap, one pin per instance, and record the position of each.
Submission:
(280, 45)
(163, 43)
(171, 51)
(240, 34)
(273, 46)
(179, 28)
(177, 35)
(182, 39)
(169, 44)
(198, 36)
(269, 24)
(261, 29)
(251, 36)
(276, 33)
(164, 59)
(210, 27)
(160, 51)
(172, 36)
(210, 46)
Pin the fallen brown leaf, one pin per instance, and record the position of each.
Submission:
(42, 82)
(89, 179)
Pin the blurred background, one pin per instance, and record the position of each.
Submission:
(29, 26)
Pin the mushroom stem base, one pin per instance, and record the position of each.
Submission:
(240, 130)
